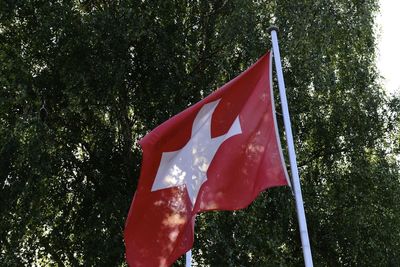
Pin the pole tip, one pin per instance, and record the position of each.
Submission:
(272, 28)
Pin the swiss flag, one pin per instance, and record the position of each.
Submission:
(218, 154)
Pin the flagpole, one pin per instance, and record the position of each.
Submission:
(189, 258)
(292, 155)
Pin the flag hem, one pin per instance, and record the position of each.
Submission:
(278, 140)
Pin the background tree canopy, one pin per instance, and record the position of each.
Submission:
(82, 81)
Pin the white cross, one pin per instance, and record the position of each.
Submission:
(188, 166)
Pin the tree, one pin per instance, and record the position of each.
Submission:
(82, 81)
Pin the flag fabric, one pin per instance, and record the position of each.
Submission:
(218, 154)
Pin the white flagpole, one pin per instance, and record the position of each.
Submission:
(189, 258)
(292, 155)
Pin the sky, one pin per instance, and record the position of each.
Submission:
(388, 61)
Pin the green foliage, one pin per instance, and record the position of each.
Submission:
(107, 72)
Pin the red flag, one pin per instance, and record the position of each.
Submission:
(218, 154)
